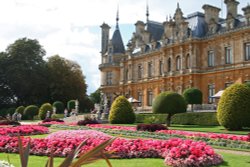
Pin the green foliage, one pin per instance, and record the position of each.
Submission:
(59, 107)
(30, 111)
(234, 107)
(194, 118)
(169, 102)
(20, 109)
(43, 110)
(96, 96)
(3, 112)
(71, 105)
(121, 112)
(193, 96)
(11, 110)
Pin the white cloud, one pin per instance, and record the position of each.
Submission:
(70, 28)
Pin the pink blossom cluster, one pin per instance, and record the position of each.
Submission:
(206, 135)
(175, 150)
(179, 132)
(23, 130)
(114, 127)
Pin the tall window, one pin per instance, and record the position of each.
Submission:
(169, 64)
(160, 67)
(139, 71)
(178, 63)
(188, 62)
(150, 69)
(140, 98)
(126, 75)
(210, 58)
(247, 51)
(109, 78)
(150, 98)
(211, 92)
(228, 55)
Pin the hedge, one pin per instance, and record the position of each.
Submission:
(194, 118)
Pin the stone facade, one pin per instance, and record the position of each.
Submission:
(200, 50)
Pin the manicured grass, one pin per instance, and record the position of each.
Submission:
(232, 160)
(39, 136)
(214, 129)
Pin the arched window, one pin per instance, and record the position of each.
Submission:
(188, 62)
(158, 45)
(147, 48)
(169, 64)
(178, 63)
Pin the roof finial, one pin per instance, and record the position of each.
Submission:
(147, 11)
(117, 17)
(178, 6)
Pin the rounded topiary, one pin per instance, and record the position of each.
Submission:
(59, 107)
(20, 109)
(43, 110)
(121, 112)
(234, 107)
(170, 103)
(30, 111)
(193, 96)
(71, 105)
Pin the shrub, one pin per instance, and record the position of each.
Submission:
(71, 105)
(30, 111)
(234, 107)
(87, 120)
(43, 110)
(150, 127)
(170, 103)
(59, 106)
(121, 112)
(20, 109)
(193, 96)
(9, 122)
(52, 120)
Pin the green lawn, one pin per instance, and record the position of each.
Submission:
(232, 160)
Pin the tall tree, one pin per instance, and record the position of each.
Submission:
(25, 71)
(67, 81)
(95, 97)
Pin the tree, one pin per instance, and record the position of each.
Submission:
(170, 103)
(234, 107)
(193, 96)
(24, 72)
(95, 97)
(66, 80)
(121, 112)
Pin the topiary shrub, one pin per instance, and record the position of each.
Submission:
(59, 107)
(121, 112)
(71, 105)
(193, 96)
(170, 103)
(30, 111)
(43, 110)
(234, 107)
(150, 127)
(20, 109)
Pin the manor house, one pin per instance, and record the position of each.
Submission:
(199, 50)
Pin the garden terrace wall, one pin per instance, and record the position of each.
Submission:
(194, 118)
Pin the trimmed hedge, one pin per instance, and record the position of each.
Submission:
(43, 110)
(30, 111)
(59, 106)
(194, 118)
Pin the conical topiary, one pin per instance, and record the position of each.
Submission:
(121, 112)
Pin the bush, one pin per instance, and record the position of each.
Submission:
(43, 110)
(87, 120)
(59, 107)
(121, 112)
(52, 119)
(9, 122)
(150, 127)
(30, 111)
(194, 118)
(71, 105)
(192, 96)
(20, 109)
(234, 107)
(170, 103)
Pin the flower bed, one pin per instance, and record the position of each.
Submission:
(114, 127)
(175, 150)
(23, 130)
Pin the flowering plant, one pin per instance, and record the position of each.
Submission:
(23, 130)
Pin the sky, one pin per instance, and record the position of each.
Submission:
(71, 28)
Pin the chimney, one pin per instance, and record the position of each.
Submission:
(211, 12)
(232, 7)
(105, 37)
